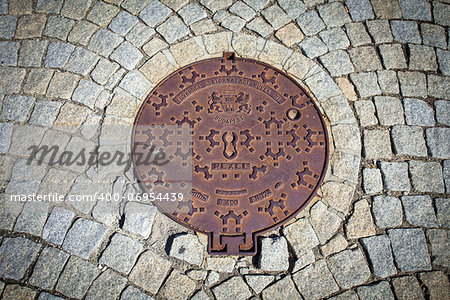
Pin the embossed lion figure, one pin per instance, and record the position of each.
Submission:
(215, 103)
(242, 101)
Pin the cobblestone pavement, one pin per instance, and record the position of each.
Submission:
(379, 71)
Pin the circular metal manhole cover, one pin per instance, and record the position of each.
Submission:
(244, 142)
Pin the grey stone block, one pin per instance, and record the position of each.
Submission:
(9, 52)
(407, 287)
(103, 71)
(150, 272)
(16, 108)
(293, 8)
(257, 4)
(123, 23)
(406, 32)
(389, 110)
(102, 13)
(443, 211)
(75, 9)
(276, 16)
(372, 181)
(413, 84)
(127, 55)
(439, 246)
(337, 62)
(377, 144)
(121, 253)
(58, 223)
(7, 26)
(433, 35)
(233, 23)
(234, 288)
(82, 32)
(442, 108)
(84, 237)
(387, 211)
(6, 130)
(139, 218)
(86, 93)
(334, 14)
(313, 47)
(77, 276)
(357, 34)
(380, 31)
(48, 267)
(416, 9)
(379, 251)
(335, 38)
(188, 248)
(58, 54)
(31, 53)
(392, 55)
(32, 218)
(366, 113)
(81, 61)
(49, 6)
(417, 112)
(441, 12)
(388, 82)
(106, 286)
(274, 254)
(426, 176)
(58, 27)
(47, 296)
(439, 86)
(366, 84)
(349, 268)
(310, 23)
(133, 293)
(408, 140)
(260, 26)
(173, 29)
(380, 290)
(437, 141)
(17, 255)
(154, 13)
(360, 10)
(104, 42)
(422, 58)
(410, 249)
(193, 12)
(419, 211)
(395, 176)
(444, 61)
(139, 35)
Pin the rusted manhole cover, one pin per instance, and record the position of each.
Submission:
(258, 151)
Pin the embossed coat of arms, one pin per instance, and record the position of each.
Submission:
(229, 102)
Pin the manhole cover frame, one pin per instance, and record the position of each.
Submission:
(233, 243)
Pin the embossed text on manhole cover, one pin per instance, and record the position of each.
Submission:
(256, 152)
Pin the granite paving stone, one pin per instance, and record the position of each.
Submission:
(33, 216)
(30, 26)
(104, 42)
(387, 211)
(49, 6)
(242, 10)
(58, 27)
(347, 88)
(136, 84)
(407, 287)
(334, 38)
(81, 61)
(86, 93)
(102, 13)
(360, 10)
(357, 34)
(334, 14)
(437, 284)
(285, 287)
(406, 32)
(258, 282)
(48, 267)
(192, 12)
(215, 5)
(410, 249)
(19, 7)
(139, 34)
(389, 110)
(58, 54)
(15, 291)
(17, 255)
(16, 108)
(3, 7)
(275, 16)
(48, 296)
(25, 136)
(413, 84)
(388, 82)
(289, 35)
(433, 35)
(233, 23)
(416, 9)
(178, 286)
(381, 290)
(360, 223)
(82, 32)
(257, 4)
(84, 237)
(372, 182)
(9, 52)
(150, 272)
(62, 85)
(366, 113)
(348, 295)
(127, 55)
(139, 219)
(380, 31)
(6, 130)
(76, 277)
(293, 8)
(221, 264)
(436, 141)
(349, 268)
(313, 47)
(133, 293)
(337, 62)
(379, 251)
(419, 211)
(121, 253)
(123, 23)
(408, 140)
(377, 144)
(187, 247)
(418, 112)
(301, 236)
(7, 26)
(443, 60)
(106, 286)
(422, 58)
(439, 247)
(393, 56)
(366, 84)
(336, 244)
(446, 164)
(221, 15)
(426, 176)
(443, 211)
(234, 288)
(306, 281)
(154, 13)
(134, 6)
(386, 10)
(395, 176)
(75, 9)
(31, 53)
(203, 26)
(154, 46)
(324, 221)
(438, 86)
(173, 29)
(274, 254)
(440, 13)
(57, 224)
(310, 23)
